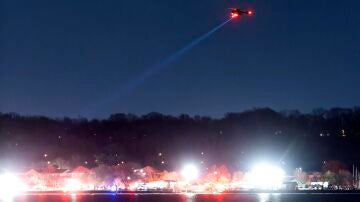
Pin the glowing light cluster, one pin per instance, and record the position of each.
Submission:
(234, 15)
(190, 172)
(266, 177)
(72, 185)
(156, 185)
(134, 186)
(10, 186)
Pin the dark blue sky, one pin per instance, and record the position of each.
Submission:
(66, 57)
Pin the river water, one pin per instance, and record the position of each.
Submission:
(265, 197)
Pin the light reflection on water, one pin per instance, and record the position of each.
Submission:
(262, 197)
(188, 197)
(266, 197)
(73, 197)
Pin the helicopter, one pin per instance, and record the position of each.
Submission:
(236, 12)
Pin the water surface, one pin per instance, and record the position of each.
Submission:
(315, 197)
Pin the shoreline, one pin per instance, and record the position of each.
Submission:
(192, 193)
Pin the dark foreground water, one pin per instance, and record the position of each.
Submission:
(329, 197)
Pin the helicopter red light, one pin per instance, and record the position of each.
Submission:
(234, 15)
(250, 12)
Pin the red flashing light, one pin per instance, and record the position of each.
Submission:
(250, 12)
(234, 15)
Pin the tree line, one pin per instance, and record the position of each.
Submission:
(165, 141)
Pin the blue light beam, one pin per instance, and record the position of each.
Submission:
(172, 58)
(154, 69)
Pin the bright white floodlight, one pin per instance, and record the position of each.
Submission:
(72, 185)
(190, 172)
(10, 186)
(266, 177)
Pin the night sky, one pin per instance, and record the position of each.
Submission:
(71, 58)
